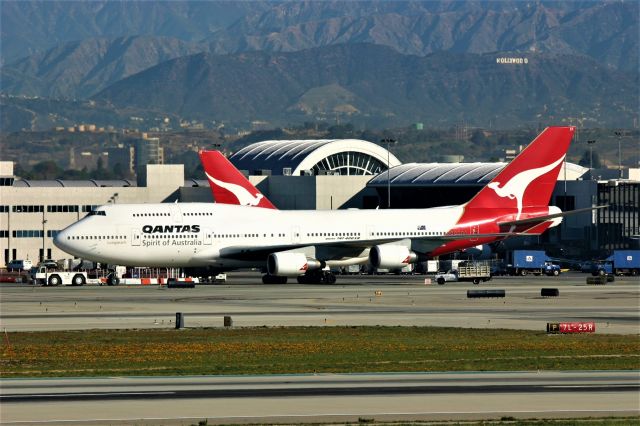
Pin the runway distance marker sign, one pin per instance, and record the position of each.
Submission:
(571, 327)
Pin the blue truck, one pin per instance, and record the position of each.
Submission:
(523, 262)
(621, 262)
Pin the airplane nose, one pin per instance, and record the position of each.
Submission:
(61, 240)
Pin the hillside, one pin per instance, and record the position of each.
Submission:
(30, 27)
(81, 69)
(372, 63)
(606, 31)
(375, 84)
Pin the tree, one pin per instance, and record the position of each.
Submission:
(478, 138)
(341, 131)
(46, 170)
(101, 172)
(585, 160)
(118, 171)
(21, 172)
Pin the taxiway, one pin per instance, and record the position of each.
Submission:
(356, 300)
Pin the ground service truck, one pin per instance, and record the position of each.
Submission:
(523, 262)
(621, 262)
(466, 271)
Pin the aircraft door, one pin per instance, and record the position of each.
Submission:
(474, 231)
(135, 237)
(371, 231)
(206, 236)
(176, 213)
(295, 235)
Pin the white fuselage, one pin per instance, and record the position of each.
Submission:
(216, 235)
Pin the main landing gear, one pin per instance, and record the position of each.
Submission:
(317, 276)
(273, 279)
(311, 277)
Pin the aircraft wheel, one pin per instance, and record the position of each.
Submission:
(330, 278)
(273, 279)
(54, 280)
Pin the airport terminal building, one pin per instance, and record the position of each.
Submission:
(316, 174)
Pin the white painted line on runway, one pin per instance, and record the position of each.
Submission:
(586, 386)
(61, 395)
(631, 411)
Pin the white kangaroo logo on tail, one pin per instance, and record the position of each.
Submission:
(517, 185)
(244, 197)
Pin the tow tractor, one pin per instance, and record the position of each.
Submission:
(45, 276)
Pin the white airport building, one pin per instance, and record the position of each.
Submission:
(317, 174)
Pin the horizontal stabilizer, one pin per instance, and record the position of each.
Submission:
(540, 219)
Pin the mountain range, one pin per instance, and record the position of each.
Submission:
(607, 31)
(281, 61)
(375, 83)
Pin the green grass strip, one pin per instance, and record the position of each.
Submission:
(306, 350)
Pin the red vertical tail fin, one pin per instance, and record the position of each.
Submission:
(528, 181)
(521, 190)
(228, 185)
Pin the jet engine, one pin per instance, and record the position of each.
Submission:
(391, 257)
(481, 252)
(290, 264)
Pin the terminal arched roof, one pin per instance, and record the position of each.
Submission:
(60, 183)
(343, 156)
(430, 174)
(460, 174)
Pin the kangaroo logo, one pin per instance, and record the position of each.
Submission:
(517, 185)
(244, 197)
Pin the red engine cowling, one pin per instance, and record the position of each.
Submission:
(391, 257)
(290, 264)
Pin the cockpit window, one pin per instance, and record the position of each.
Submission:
(97, 213)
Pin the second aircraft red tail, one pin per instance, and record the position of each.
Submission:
(517, 199)
(526, 183)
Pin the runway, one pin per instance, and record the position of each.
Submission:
(356, 300)
(313, 398)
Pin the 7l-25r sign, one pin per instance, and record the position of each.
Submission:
(571, 327)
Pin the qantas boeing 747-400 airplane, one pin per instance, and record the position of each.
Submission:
(221, 237)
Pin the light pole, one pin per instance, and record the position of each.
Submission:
(619, 135)
(388, 141)
(44, 222)
(590, 143)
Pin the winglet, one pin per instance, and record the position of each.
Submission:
(228, 185)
